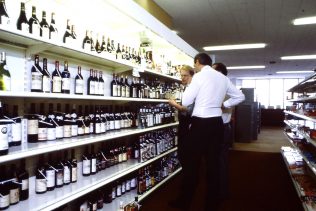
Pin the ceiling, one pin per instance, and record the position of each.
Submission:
(225, 22)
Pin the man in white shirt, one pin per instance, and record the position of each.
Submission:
(207, 91)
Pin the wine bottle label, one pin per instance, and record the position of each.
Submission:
(133, 183)
(67, 131)
(123, 91)
(4, 201)
(97, 128)
(123, 187)
(92, 88)
(50, 175)
(25, 184)
(74, 130)
(120, 158)
(117, 124)
(25, 27)
(113, 193)
(112, 125)
(127, 94)
(136, 154)
(101, 88)
(91, 127)
(45, 32)
(56, 84)
(87, 130)
(14, 195)
(36, 29)
(66, 174)
(46, 83)
(16, 132)
(7, 83)
(118, 190)
(79, 86)
(87, 47)
(36, 80)
(60, 132)
(81, 130)
(51, 134)
(65, 85)
(128, 185)
(114, 88)
(118, 87)
(59, 178)
(40, 185)
(74, 174)
(5, 20)
(4, 137)
(86, 166)
(42, 134)
(103, 127)
(9, 128)
(122, 123)
(94, 165)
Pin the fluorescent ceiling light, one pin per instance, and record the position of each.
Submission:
(246, 67)
(304, 21)
(298, 57)
(289, 72)
(234, 47)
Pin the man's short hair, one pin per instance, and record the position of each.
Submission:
(203, 59)
(220, 67)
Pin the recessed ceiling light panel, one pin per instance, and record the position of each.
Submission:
(298, 57)
(304, 21)
(246, 67)
(234, 47)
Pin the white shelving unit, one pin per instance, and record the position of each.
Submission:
(130, 196)
(31, 149)
(302, 116)
(60, 196)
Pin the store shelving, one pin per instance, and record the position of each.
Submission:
(302, 116)
(60, 196)
(130, 196)
(31, 149)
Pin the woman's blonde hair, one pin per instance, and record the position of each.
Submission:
(188, 68)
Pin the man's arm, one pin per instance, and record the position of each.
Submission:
(236, 96)
(191, 92)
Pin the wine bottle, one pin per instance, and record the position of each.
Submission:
(127, 88)
(32, 125)
(108, 46)
(123, 87)
(101, 84)
(50, 173)
(46, 77)
(74, 123)
(16, 128)
(67, 122)
(53, 32)
(14, 186)
(23, 179)
(37, 76)
(42, 124)
(74, 168)
(91, 116)
(93, 159)
(103, 44)
(97, 45)
(44, 30)
(114, 86)
(103, 120)
(87, 121)
(86, 44)
(118, 52)
(22, 23)
(91, 84)
(113, 50)
(67, 168)
(123, 55)
(56, 79)
(4, 17)
(97, 121)
(59, 171)
(6, 76)
(80, 122)
(73, 33)
(59, 123)
(40, 177)
(65, 81)
(86, 163)
(79, 82)
(96, 82)
(67, 35)
(4, 189)
(51, 127)
(34, 24)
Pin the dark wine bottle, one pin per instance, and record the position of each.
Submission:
(16, 128)
(37, 76)
(4, 17)
(97, 121)
(97, 45)
(34, 24)
(101, 84)
(6, 76)
(23, 179)
(59, 171)
(32, 125)
(42, 124)
(86, 163)
(80, 122)
(14, 186)
(46, 77)
(74, 123)
(59, 123)
(4, 189)
(91, 84)
(50, 173)
(44, 30)
(22, 23)
(40, 177)
(87, 121)
(67, 168)
(51, 127)
(53, 32)
(65, 81)
(67, 122)
(74, 168)
(114, 86)
(93, 159)
(68, 36)
(118, 52)
(79, 82)
(86, 44)
(56, 79)
(96, 82)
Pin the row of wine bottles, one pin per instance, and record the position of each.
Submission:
(43, 126)
(144, 179)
